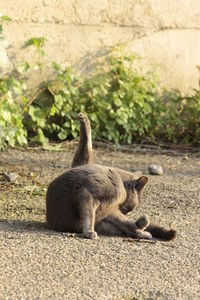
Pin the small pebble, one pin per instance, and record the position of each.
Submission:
(11, 177)
(155, 169)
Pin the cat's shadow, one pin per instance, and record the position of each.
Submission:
(23, 226)
(29, 226)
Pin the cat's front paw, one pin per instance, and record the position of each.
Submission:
(90, 235)
(142, 222)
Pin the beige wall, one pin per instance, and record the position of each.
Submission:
(164, 32)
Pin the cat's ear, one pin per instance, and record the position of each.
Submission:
(140, 183)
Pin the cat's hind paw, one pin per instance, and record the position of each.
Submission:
(90, 235)
(142, 222)
(144, 235)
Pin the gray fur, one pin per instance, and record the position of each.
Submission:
(84, 152)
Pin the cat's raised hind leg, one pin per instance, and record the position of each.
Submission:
(84, 152)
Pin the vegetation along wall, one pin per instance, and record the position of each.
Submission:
(166, 33)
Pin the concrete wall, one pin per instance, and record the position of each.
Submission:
(164, 32)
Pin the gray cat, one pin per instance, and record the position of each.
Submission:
(92, 199)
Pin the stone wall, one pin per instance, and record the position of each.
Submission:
(164, 32)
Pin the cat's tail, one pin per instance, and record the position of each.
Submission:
(161, 233)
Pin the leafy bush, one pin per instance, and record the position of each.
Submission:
(179, 120)
(12, 130)
(12, 104)
(123, 104)
(119, 102)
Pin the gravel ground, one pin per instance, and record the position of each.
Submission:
(37, 263)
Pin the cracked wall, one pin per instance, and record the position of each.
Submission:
(165, 33)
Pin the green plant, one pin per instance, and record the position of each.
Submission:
(123, 103)
(12, 104)
(118, 101)
(15, 106)
(38, 44)
(179, 120)
(3, 19)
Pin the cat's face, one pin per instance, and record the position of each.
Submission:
(134, 195)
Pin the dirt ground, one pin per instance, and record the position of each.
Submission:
(37, 263)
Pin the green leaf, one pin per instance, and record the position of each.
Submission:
(22, 140)
(37, 42)
(59, 100)
(62, 135)
(118, 102)
(53, 110)
(5, 18)
(56, 66)
(7, 116)
(32, 111)
(52, 147)
(23, 67)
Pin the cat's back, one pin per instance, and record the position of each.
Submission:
(100, 181)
